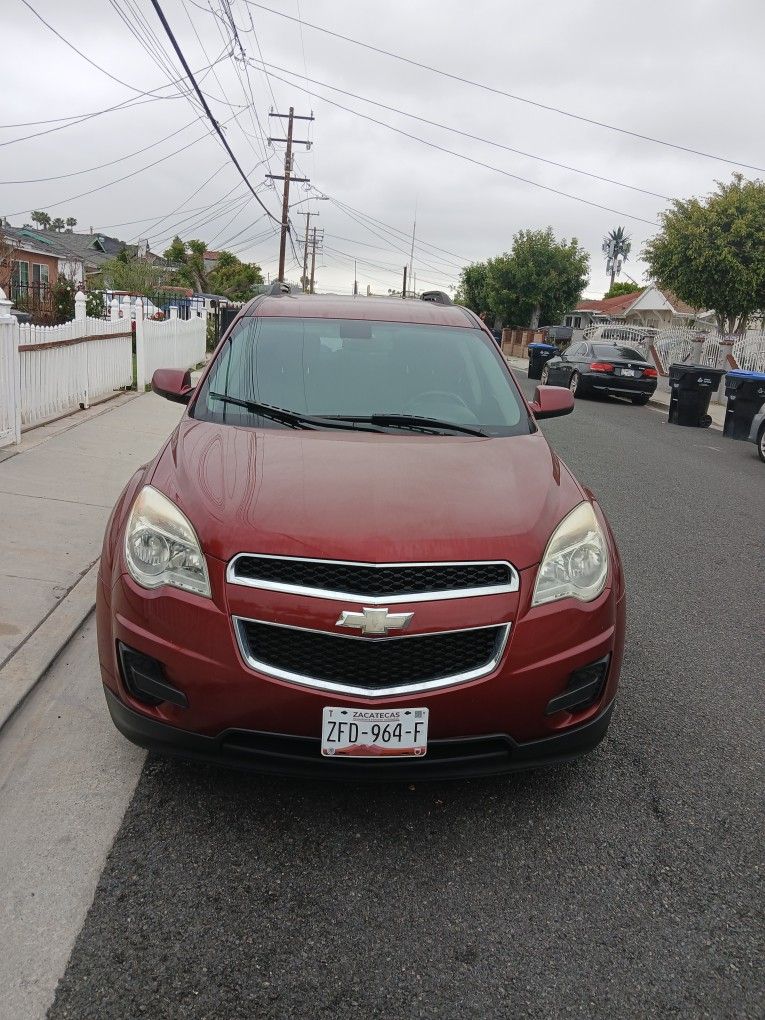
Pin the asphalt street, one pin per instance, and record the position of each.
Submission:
(625, 885)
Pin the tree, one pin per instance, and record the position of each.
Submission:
(57, 224)
(8, 253)
(133, 275)
(188, 261)
(538, 281)
(617, 289)
(233, 278)
(472, 291)
(711, 252)
(229, 277)
(41, 219)
(71, 223)
(616, 248)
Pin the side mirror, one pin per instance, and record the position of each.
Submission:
(552, 402)
(173, 384)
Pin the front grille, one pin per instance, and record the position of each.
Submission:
(367, 580)
(370, 665)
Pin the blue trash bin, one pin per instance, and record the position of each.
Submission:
(746, 395)
(538, 355)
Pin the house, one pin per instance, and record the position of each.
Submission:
(29, 268)
(649, 306)
(78, 255)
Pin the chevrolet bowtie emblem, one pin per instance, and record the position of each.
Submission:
(374, 621)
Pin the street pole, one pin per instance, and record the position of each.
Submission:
(403, 289)
(414, 230)
(313, 259)
(287, 176)
(286, 195)
(355, 281)
(304, 280)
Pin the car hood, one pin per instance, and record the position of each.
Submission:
(365, 496)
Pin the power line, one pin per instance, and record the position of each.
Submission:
(467, 134)
(126, 177)
(501, 92)
(213, 121)
(389, 243)
(190, 225)
(125, 105)
(397, 230)
(101, 166)
(84, 116)
(150, 44)
(87, 59)
(172, 212)
(469, 159)
(229, 53)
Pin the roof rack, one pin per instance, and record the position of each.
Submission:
(278, 287)
(438, 297)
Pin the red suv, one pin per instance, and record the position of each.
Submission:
(357, 556)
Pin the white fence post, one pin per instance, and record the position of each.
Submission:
(114, 309)
(173, 311)
(10, 378)
(80, 306)
(140, 347)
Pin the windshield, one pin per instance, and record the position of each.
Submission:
(355, 369)
(614, 351)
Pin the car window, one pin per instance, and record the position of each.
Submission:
(333, 367)
(617, 351)
(573, 352)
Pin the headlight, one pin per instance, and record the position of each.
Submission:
(575, 563)
(161, 547)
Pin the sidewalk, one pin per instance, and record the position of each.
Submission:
(56, 495)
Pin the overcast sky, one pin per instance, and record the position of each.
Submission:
(689, 72)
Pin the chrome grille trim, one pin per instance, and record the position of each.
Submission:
(337, 688)
(513, 584)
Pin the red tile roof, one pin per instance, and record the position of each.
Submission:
(610, 306)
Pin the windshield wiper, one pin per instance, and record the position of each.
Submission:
(415, 421)
(292, 418)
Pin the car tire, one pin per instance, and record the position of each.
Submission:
(573, 383)
(761, 444)
(641, 401)
(544, 380)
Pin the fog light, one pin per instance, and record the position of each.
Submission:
(144, 678)
(585, 686)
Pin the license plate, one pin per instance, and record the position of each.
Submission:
(374, 733)
(629, 371)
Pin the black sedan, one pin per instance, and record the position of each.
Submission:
(588, 368)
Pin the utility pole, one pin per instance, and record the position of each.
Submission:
(355, 280)
(313, 259)
(304, 279)
(403, 289)
(287, 176)
(414, 231)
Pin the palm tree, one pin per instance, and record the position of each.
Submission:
(616, 248)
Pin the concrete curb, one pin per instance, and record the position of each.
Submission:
(28, 664)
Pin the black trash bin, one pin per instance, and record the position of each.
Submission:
(538, 355)
(746, 395)
(691, 388)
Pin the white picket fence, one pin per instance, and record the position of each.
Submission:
(48, 371)
(65, 367)
(173, 343)
(10, 410)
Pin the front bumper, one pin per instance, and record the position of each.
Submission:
(281, 754)
(233, 713)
